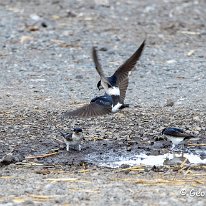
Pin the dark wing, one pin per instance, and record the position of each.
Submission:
(89, 110)
(123, 88)
(122, 72)
(98, 66)
(176, 132)
(66, 136)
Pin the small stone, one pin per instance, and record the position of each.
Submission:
(124, 166)
(7, 159)
(103, 49)
(28, 202)
(197, 128)
(129, 149)
(171, 61)
(71, 14)
(79, 77)
(43, 24)
(196, 118)
(169, 103)
(35, 17)
(49, 187)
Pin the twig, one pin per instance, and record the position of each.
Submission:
(196, 145)
(42, 155)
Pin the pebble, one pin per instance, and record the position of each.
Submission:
(196, 118)
(7, 159)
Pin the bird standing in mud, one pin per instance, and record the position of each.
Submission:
(73, 138)
(176, 135)
(115, 88)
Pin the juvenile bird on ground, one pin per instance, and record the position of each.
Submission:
(73, 138)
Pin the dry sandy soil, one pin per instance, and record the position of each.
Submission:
(46, 69)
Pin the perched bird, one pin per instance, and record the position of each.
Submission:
(177, 135)
(101, 105)
(116, 85)
(73, 138)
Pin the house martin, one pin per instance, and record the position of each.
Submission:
(177, 135)
(117, 84)
(101, 105)
(73, 138)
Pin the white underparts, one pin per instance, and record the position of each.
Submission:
(175, 140)
(113, 91)
(110, 90)
(116, 107)
(76, 137)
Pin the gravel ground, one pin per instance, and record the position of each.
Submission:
(46, 69)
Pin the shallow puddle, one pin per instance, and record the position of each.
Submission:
(113, 160)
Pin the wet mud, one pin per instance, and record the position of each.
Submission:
(123, 137)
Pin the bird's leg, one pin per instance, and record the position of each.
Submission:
(67, 146)
(182, 151)
(172, 149)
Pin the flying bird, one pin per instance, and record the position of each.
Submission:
(73, 138)
(101, 105)
(177, 135)
(115, 89)
(116, 85)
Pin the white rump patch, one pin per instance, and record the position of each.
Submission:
(116, 107)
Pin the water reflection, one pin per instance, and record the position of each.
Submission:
(114, 161)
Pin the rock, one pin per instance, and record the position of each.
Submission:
(71, 14)
(44, 24)
(79, 77)
(7, 159)
(196, 118)
(103, 49)
(169, 103)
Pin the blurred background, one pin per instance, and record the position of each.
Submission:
(46, 60)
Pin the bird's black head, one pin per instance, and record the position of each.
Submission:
(77, 130)
(99, 85)
(163, 130)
